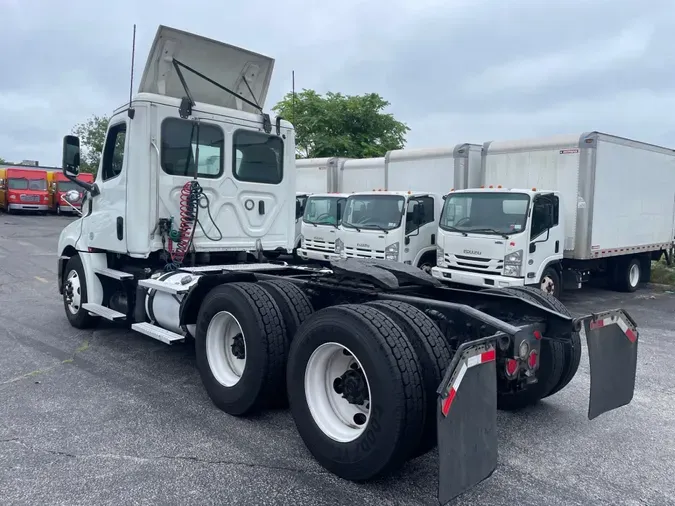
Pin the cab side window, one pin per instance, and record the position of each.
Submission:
(540, 210)
(258, 157)
(428, 217)
(113, 152)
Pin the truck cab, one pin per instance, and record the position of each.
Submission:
(190, 169)
(495, 237)
(26, 190)
(320, 226)
(391, 225)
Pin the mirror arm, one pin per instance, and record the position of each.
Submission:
(92, 188)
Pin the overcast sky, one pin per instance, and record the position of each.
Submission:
(454, 70)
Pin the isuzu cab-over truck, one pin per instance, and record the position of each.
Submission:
(378, 361)
(588, 205)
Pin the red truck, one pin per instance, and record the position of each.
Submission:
(59, 185)
(25, 190)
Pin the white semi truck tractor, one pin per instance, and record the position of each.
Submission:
(379, 362)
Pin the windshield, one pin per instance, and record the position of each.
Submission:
(324, 210)
(26, 184)
(382, 212)
(490, 213)
(64, 186)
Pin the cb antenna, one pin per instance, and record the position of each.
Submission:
(130, 111)
(293, 96)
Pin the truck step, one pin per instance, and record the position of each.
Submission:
(105, 312)
(112, 273)
(166, 336)
(162, 286)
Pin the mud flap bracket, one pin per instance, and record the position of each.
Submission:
(467, 419)
(612, 338)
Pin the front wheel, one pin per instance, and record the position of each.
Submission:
(75, 294)
(550, 282)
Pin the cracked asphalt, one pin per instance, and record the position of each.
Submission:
(112, 417)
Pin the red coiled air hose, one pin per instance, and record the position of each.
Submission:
(188, 207)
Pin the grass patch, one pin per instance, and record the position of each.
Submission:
(662, 274)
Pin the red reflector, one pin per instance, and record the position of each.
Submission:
(631, 335)
(511, 367)
(532, 360)
(448, 401)
(488, 356)
(537, 335)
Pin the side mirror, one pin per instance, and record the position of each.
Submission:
(298, 209)
(71, 155)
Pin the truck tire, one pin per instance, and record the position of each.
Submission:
(627, 274)
(433, 353)
(550, 282)
(241, 347)
(427, 261)
(293, 303)
(353, 352)
(572, 348)
(75, 294)
(551, 362)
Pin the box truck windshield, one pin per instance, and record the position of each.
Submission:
(27, 184)
(382, 212)
(324, 210)
(485, 213)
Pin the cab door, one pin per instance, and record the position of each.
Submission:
(105, 226)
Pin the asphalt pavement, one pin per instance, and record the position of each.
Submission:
(112, 417)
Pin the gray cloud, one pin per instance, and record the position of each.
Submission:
(454, 71)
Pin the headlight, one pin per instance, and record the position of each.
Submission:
(391, 252)
(440, 256)
(339, 246)
(513, 264)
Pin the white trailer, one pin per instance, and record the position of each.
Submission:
(593, 204)
(369, 354)
(435, 170)
(362, 174)
(318, 175)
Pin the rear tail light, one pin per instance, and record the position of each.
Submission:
(533, 359)
(511, 367)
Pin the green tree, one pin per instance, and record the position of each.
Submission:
(352, 126)
(92, 138)
(2, 160)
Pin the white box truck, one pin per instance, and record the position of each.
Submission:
(313, 175)
(591, 204)
(371, 376)
(400, 223)
(320, 224)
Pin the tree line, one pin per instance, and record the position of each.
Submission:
(352, 126)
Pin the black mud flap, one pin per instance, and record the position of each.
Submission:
(467, 419)
(612, 338)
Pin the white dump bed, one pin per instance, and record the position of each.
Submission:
(618, 194)
(435, 170)
(317, 175)
(361, 174)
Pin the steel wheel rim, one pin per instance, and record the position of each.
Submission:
(547, 285)
(75, 287)
(221, 336)
(337, 418)
(634, 275)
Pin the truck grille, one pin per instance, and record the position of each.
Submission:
(480, 265)
(320, 245)
(29, 198)
(363, 253)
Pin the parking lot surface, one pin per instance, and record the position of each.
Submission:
(112, 417)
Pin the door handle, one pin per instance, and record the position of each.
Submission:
(557, 246)
(261, 207)
(120, 228)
